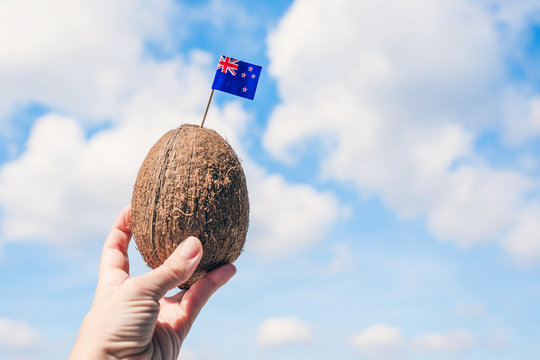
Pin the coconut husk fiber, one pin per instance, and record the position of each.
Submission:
(190, 183)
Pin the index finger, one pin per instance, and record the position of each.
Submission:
(114, 266)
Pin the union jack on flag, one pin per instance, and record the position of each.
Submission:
(236, 77)
(228, 64)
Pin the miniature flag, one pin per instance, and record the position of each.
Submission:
(236, 77)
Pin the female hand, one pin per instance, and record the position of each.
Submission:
(130, 318)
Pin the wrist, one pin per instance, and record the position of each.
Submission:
(88, 345)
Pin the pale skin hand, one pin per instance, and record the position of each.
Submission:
(130, 318)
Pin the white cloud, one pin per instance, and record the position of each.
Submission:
(453, 342)
(284, 215)
(17, 335)
(64, 44)
(379, 341)
(33, 189)
(415, 59)
(478, 204)
(524, 239)
(398, 112)
(281, 331)
(382, 341)
(66, 187)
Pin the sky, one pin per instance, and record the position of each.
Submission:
(392, 155)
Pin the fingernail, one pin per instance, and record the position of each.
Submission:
(189, 248)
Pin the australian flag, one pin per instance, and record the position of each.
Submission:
(237, 77)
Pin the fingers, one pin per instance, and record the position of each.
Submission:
(175, 270)
(194, 299)
(114, 267)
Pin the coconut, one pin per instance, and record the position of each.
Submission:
(191, 183)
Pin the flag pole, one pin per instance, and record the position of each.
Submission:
(207, 106)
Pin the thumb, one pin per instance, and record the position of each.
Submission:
(175, 270)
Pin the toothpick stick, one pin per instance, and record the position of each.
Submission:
(207, 106)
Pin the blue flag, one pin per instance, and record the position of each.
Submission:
(236, 77)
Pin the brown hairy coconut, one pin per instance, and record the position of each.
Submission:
(191, 183)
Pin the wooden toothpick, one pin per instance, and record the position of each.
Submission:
(207, 106)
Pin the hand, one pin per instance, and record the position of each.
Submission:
(130, 318)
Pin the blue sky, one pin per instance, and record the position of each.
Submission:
(392, 157)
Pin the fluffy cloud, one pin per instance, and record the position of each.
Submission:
(398, 113)
(17, 335)
(66, 186)
(383, 341)
(283, 215)
(282, 331)
(378, 341)
(524, 239)
(63, 44)
(452, 342)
